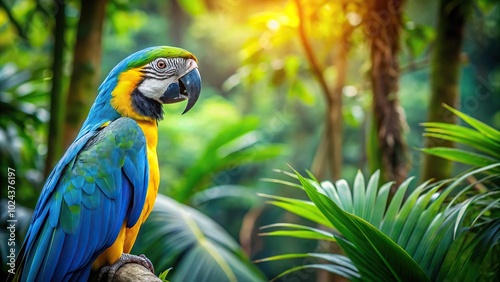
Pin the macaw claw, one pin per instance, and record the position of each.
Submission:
(108, 272)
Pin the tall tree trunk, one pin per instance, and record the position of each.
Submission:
(178, 23)
(383, 26)
(445, 76)
(57, 96)
(86, 66)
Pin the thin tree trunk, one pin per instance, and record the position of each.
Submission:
(333, 118)
(383, 26)
(57, 96)
(445, 76)
(86, 66)
(335, 107)
(178, 22)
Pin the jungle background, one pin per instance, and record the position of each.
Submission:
(332, 87)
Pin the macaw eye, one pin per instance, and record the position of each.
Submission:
(161, 64)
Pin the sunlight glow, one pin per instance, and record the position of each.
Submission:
(273, 24)
(350, 91)
(353, 18)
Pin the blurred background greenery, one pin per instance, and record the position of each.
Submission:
(284, 82)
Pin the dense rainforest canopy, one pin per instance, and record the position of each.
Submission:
(333, 89)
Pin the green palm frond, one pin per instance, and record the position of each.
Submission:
(484, 139)
(337, 264)
(234, 145)
(408, 240)
(192, 244)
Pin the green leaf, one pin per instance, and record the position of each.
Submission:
(460, 132)
(465, 264)
(333, 258)
(395, 204)
(425, 225)
(163, 275)
(180, 237)
(476, 144)
(461, 156)
(340, 264)
(329, 190)
(345, 195)
(225, 191)
(305, 209)
(482, 127)
(342, 271)
(359, 194)
(300, 231)
(233, 146)
(387, 260)
(371, 198)
(283, 182)
(382, 198)
(302, 234)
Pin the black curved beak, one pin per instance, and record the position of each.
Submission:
(188, 87)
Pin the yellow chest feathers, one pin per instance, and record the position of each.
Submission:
(150, 130)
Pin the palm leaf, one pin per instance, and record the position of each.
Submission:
(461, 134)
(338, 264)
(195, 246)
(387, 260)
(461, 156)
(464, 265)
(480, 137)
(420, 230)
(485, 129)
(305, 209)
(298, 231)
(232, 146)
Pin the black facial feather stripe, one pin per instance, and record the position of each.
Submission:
(154, 75)
(171, 64)
(146, 106)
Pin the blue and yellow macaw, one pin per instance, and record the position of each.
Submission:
(104, 187)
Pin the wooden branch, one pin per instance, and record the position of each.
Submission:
(132, 272)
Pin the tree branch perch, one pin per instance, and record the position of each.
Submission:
(132, 272)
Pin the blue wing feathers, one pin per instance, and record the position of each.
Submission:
(54, 252)
(132, 168)
(35, 259)
(73, 195)
(55, 207)
(92, 202)
(87, 198)
(56, 173)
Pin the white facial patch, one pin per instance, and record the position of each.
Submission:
(154, 88)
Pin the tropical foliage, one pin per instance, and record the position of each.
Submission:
(193, 245)
(284, 81)
(22, 134)
(482, 138)
(445, 231)
(417, 239)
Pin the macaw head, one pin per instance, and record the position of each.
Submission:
(140, 84)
